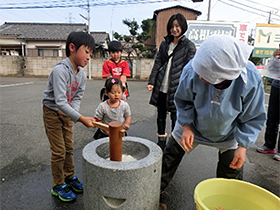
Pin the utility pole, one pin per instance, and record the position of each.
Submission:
(89, 62)
(209, 8)
(88, 30)
(269, 17)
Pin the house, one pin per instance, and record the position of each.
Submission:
(44, 39)
(161, 18)
(102, 40)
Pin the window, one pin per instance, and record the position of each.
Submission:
(48, 52)
(55, 53)
(40, 52)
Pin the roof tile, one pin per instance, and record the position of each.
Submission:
(40, 31)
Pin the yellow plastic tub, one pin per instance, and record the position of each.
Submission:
(231, 194)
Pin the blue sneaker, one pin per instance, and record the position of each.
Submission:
(63, 193)
(75, 184)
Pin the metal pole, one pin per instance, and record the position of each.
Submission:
(22, 50)
(209, 8)
(89, 62)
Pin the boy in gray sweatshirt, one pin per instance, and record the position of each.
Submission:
(61, 104)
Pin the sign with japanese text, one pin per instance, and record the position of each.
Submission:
(267, 40)
(198, 31)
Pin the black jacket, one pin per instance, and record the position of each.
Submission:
(182, 54)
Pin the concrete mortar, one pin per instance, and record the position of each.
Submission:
(122, 185)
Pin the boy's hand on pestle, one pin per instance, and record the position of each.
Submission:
(93, 121)
(87, 121)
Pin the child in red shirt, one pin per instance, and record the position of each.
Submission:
(115, 66)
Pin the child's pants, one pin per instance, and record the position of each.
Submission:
(59, 129)
(174, 153)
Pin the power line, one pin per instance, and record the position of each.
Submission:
(40, 2)
(263, 5)
(65, 4)
(43, 6)
(259, 10)
(248, 10)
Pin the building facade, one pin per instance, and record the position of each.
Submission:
(44, 39)
(162, 16)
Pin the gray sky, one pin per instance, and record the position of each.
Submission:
(109, 18)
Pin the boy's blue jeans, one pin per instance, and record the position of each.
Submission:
(59, 130)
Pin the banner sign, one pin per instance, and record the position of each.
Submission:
(267, 40)
(198, 31)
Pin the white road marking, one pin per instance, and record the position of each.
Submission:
(16, 84)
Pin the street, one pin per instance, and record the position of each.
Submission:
(25, 154)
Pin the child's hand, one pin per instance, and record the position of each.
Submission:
(123, 79)
(87, 121)
(126, 126)
(123, 97)
(187, 138)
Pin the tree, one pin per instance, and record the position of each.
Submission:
(135, 42)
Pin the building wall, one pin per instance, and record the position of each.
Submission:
(42, 66)
(52, 44)
(9, 44)
(9, 65)
(31, 46)
(9, 40)
(162, 20)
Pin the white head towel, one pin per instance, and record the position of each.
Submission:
(220, 58)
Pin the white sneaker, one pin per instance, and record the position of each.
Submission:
(277, 157)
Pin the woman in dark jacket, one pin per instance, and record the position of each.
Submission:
(174, 53)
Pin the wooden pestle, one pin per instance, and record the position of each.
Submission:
(115, 138)
(106, 128)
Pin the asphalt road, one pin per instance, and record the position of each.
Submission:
(25, 155)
